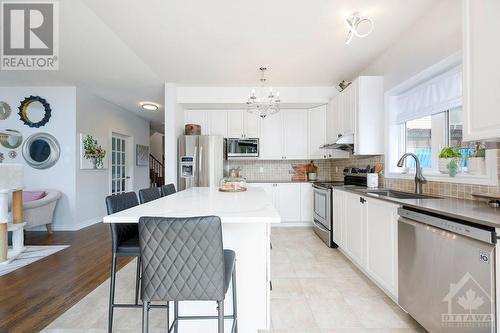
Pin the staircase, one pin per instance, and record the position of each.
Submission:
(156, 172)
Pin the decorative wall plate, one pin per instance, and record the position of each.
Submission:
(13, 139)
(4, 110)
(41, 150)
(34, 111)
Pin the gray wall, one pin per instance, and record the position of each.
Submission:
(62, 126)
(100, 118)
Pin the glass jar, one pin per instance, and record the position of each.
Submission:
(233, 184)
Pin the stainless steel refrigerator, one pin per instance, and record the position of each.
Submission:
(201, 161)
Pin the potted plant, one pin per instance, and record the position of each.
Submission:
(450, 161)
(94, 152)
(476, 164)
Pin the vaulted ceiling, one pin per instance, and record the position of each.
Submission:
(124, 50)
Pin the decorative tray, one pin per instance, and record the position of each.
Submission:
(242, 189)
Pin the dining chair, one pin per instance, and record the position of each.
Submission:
(183, 259)
(167, 190)
(149, 194)
(125, 243)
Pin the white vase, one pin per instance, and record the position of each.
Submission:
(476, 166)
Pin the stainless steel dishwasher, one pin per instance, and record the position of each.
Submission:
(446, 272)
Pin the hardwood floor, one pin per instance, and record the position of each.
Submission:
(33, 296)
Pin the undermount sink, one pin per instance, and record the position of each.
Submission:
(400, 194)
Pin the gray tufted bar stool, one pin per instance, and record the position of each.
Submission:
(183, 259)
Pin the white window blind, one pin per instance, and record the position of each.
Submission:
(439, 94)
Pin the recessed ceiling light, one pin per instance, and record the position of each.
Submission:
(149, 106)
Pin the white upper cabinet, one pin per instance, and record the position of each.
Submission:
(295, 134)
(242, 124)
(217, 123)
(235, 124)
(251, 125)
(317, 132)
(481, 85)
(359, 111)
(331, 120)
(271, 137)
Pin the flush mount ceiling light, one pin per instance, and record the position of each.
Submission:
(358, 26)
(149, 106)
(263, 101)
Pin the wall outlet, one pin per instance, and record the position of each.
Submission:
(261, 169)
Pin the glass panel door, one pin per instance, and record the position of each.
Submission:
(118, 165)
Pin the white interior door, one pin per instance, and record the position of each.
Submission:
(120, 176)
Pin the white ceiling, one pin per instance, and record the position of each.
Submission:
(124, 50)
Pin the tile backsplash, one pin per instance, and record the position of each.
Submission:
(454, 190)
(281, 170)
(277, 170)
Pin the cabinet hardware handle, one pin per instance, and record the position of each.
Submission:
(362, 200)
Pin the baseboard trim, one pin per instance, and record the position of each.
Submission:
(292, 224)
(70, 227)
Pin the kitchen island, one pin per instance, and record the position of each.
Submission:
(246, 220)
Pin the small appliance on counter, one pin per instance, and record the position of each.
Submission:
(372, 180)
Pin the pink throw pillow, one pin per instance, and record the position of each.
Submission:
(29, 196)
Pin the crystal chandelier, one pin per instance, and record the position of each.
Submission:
(264, 101)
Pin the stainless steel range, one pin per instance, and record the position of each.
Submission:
(323, 204)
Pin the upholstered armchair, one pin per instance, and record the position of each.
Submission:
(41, 211)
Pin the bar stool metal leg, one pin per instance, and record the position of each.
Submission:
(112, 293)
(176, 316)
(220, 311)
(145, 317)
(137, 280)
(235, 302)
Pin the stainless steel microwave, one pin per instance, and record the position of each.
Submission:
(241, 148)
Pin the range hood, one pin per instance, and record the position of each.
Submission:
(345, 142)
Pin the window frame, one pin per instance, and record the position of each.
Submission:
(394, 147)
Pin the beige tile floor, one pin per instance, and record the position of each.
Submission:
(318, 290)
(315, 290)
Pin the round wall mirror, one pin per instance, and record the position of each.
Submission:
(41, 151)
(35, 111)
(12, 139)
(4, 110)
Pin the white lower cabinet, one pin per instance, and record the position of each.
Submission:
(365, 229)
(289, 202)
(338, 198)
(355, 226)
(382, 243)
(306, 202)
(292, 200)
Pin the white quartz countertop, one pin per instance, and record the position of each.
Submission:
(252, 206)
